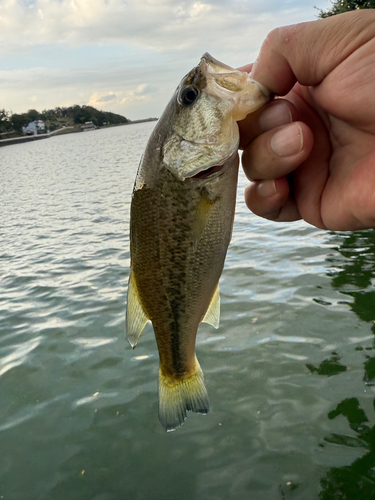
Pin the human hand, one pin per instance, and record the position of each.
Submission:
(312, 155)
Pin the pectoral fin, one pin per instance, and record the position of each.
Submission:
(201, 219)
(212, 315)
(136, 318)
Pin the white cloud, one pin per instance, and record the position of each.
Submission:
(112, 101)
(106, 98)
(159, 24)
(155, 42)
(45, 88)
(199, 8)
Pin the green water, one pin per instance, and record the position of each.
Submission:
(290, 371)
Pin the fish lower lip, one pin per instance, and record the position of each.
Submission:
(203, 174)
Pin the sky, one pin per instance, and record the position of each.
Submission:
(126, 56)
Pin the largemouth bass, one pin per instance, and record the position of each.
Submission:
(181, 222)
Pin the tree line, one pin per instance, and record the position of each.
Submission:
(55, 118)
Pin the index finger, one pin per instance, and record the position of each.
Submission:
(308, 52)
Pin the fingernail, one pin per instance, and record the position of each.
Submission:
(275, 115)
(266, 188)
(288, 141)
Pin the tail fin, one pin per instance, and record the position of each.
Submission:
(179, 395)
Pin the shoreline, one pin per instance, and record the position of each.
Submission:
(64, 131)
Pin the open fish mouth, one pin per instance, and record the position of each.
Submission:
(204, 174)
(213, 170)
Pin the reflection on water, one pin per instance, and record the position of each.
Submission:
(354, 276)
(331, 366)
(290, 371)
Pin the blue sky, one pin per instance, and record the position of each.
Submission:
(126, 56)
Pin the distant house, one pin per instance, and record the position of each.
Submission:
(34, 128)
(88, 126)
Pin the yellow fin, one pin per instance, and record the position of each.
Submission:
(136, 318)
(176, 396)
(201, 219)
(212, 315)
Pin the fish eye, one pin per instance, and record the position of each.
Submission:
(188, 95)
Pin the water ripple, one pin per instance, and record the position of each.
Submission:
(18, 354)
(78, 413)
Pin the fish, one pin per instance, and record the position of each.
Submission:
(181, 220)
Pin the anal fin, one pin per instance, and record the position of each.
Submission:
(136, 318)
(212, 315)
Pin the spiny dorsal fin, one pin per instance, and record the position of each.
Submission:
(212, 315)
(203, 213)
(136, 318)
